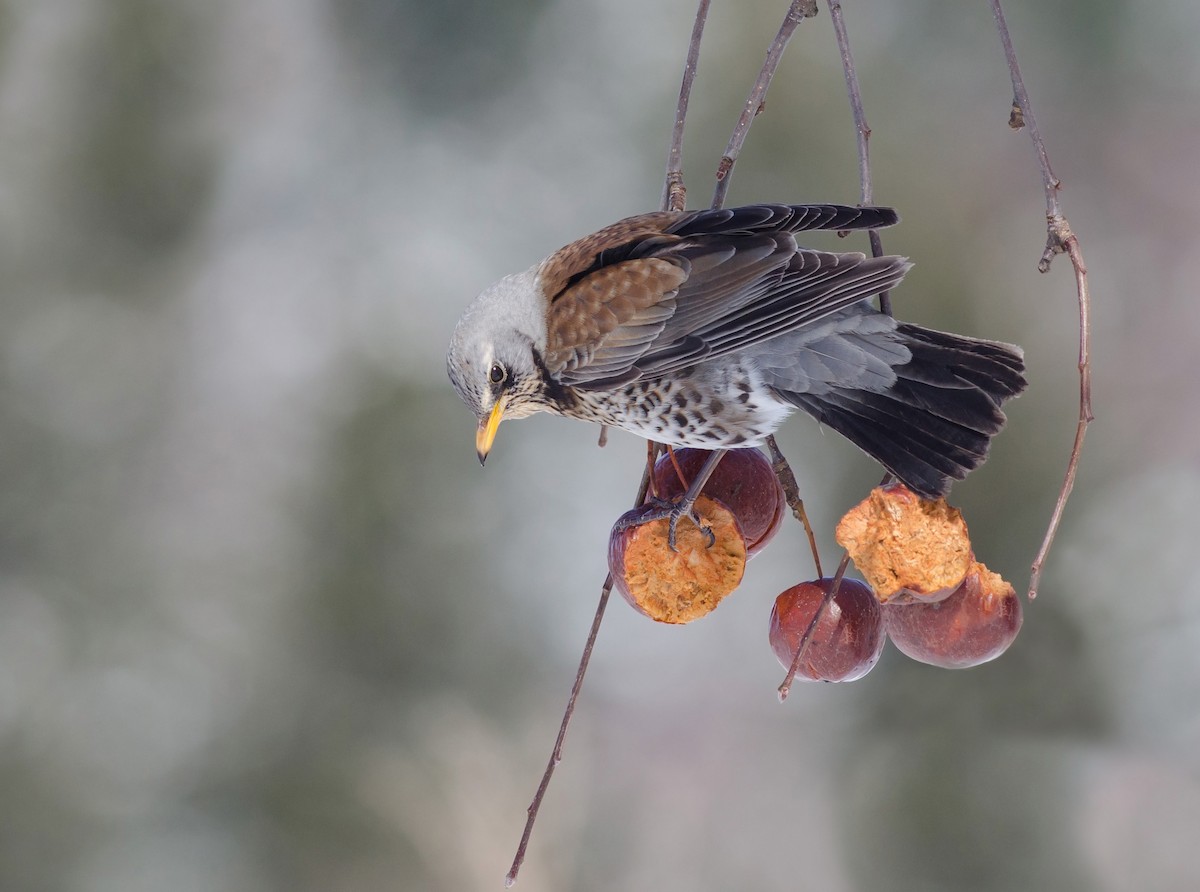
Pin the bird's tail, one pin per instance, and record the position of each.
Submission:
(934, 424)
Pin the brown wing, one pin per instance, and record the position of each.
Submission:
(658, 292)
(600, 326)
(570, 264)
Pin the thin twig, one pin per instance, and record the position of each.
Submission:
(556, 754)
(1050, 183)
(683, 480)
(806, 639)
(786, 687)
(674, 196)
(1059, 240)
(862, 132)
(1085, 413)
(856, 104)
(791, 494)
(799, 9)
(863, 138)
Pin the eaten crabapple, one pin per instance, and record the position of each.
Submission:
(681, 585)
(975, 624)
(909, 549)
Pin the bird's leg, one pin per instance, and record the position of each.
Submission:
(685, 505)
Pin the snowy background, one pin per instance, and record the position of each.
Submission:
(266, 624)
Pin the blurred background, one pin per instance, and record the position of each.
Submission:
(266, 624)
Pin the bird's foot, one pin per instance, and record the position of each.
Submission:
(674, 511)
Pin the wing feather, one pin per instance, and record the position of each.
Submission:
(661, 292)
(603, 323)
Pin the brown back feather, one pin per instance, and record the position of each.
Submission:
(567, 265)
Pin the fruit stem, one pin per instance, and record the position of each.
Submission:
(683, 481)
(791, 494)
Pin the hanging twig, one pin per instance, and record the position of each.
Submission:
(791, 495)
(863, 134)
(799, 10)
(1060, 240)
(864, 175)
(674, 196)
(806, 638)
(556, 754)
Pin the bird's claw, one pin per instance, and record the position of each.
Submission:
(681, 511)
(673, 512)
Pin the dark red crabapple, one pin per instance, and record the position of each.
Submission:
(743, 481)
(848, 638)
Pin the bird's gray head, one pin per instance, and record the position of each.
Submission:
(491, 357)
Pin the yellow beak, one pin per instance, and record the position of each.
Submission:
(485, 435)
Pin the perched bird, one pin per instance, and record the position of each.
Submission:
(707, 328)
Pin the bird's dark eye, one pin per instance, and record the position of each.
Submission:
(496, 373)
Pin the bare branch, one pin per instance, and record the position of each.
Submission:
(674, 197)
(1023, 117)
(1059, 240)
(862, 131)
(806, 638)
(589, 645)
(1085, 412)
(556, 755)
(791, 494)
(856, 103)
(799, 10)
